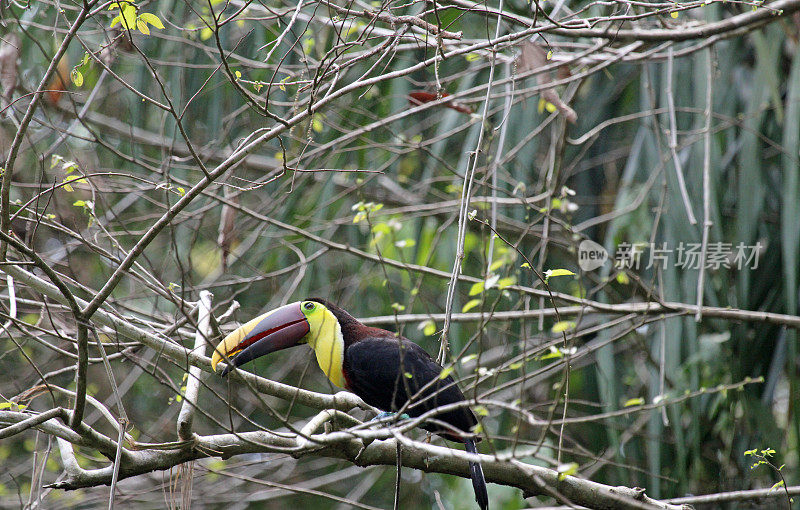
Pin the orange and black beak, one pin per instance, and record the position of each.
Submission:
(279, 329)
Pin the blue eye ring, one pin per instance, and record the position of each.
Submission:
(309, 305)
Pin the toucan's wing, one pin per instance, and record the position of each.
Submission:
(385, 372)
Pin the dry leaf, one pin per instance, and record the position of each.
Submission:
(532, 57)
(227, 232)
(9, 53)
(419, 97)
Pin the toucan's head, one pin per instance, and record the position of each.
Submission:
(310, 321)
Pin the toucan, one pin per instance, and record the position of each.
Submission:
(386, 370)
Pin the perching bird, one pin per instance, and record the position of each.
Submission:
(381, 367)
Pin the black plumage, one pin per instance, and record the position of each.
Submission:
(394, 374)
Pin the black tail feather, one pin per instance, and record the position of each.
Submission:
(478, 481)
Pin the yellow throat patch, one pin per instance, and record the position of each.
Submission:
(325, 337)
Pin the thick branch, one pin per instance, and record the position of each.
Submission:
(417, 455)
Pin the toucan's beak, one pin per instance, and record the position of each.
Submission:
(279, 329)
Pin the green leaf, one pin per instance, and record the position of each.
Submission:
(142, 27)
(515, 366)
(525, 265)
(476, 288)
(472, 303)
(428, 328)
(638, 401)
(398, 307)
(750, 452)
(481, 410)
(497, 265)
(565, 470)
(5, 405)
(79, 203)
(506, 282)
(553, 354)
(468, 358)
(408, 375)
(446, 371)
(561, 326)
(152, 19)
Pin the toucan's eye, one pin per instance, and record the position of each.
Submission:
(309, 305)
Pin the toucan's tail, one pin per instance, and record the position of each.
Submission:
(478, 481)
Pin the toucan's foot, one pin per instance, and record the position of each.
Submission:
(385, 414)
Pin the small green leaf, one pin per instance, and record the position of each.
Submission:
(553, 354)
(79, 203)
(515, 366)
(5, 405)
(398, 307)
(468, 358)
(561, 326)
(428, 328)
(481, 410)
(472, 303)
(408, 375)
(506, 282)
(476, 288)
(638, 401)
(525, 265)
(565, 470)
(238, 75)
(445, 372)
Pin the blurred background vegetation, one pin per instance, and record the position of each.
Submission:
(373, 171)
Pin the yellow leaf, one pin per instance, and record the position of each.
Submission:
(152, 19)
(445, 372)
(674, 14)
(76, 77)
(129, 16)
(428, 328)
(142, 27)
(206, 34)
(557, 272)
(238, 75)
